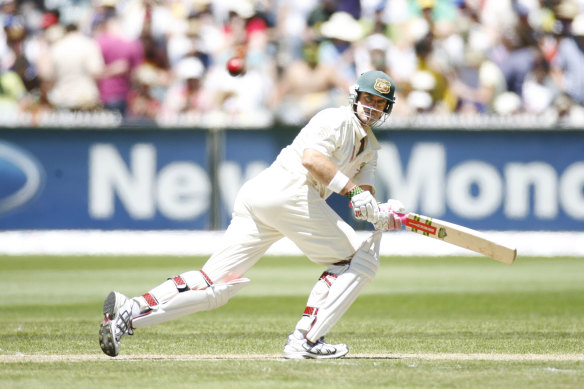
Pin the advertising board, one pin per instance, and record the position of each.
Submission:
(150, 179)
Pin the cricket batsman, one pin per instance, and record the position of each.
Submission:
(335, 152)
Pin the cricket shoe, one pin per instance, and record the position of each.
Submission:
(298, 347)
(117, 310)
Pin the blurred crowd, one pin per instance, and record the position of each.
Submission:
(164, 62)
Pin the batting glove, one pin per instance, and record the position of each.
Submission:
(364, 204)
(389, 216)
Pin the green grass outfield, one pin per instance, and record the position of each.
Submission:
(422, 323)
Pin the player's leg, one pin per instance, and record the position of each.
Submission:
(351, 264)
(246, 239)
(331, 297)
(344, 285)
(189, 292)
(213, 285)
(117, 310)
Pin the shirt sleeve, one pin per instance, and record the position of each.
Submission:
(322, 134)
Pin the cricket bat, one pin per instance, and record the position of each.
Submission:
(459, 236)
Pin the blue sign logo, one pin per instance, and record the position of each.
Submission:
(21, 177)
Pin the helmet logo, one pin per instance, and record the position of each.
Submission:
(382, 86)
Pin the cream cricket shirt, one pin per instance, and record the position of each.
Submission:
(286, 200)
(336, 133)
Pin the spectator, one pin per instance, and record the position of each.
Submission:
(121, 57)
(206, 34)
(156, 64)
(291, 25)
(143, 107)
(477, 83)
(419, 98)
(75, 63)
(341, 32)
(400, 55)
(145, 17)
(247, 35)
(16, 36)
(9, 18)
(433, 10)
(372, 54)
(242, 100)
(568, 64)
(431, 62)
(242, 23)
(401, 37)
(564, 13)
(234, 30)
(12, 91)
(515, 60)
(307, 86)
(526, 33)
(150, 21)
(568, 113)
(539, 89)
(190, 40)
(186, 95)
(38, 49)
(319, 15)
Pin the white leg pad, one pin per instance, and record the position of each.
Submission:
(345, 289)
(318, 296)
(171, 288)
(190, 301)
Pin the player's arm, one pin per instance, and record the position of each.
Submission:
(325, 171)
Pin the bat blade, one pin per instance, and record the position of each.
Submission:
(459, 236)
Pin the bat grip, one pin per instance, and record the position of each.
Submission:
(403, 216)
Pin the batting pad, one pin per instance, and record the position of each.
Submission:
(347, 287)
(190, 301)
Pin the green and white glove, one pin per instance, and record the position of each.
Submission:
(364, 204)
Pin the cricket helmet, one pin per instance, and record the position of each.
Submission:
(376, 83)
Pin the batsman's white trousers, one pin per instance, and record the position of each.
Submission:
(273, 205)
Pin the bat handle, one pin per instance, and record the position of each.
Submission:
(402, 216)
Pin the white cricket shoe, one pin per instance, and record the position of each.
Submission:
(297, 347)
(117, 310)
